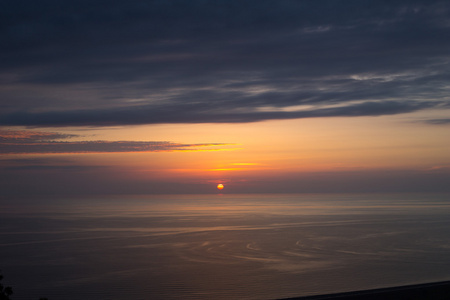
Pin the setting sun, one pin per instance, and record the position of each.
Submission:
(331, 136)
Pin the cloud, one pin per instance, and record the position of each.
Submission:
(24, 136)
(29, 142)
(177, 61)
(201, 114)
(438, 121)
(56, 168)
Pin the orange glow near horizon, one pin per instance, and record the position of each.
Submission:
(195, 154)
(220, 186)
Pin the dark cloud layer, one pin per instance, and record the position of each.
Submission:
(137, 62)
(196, 114)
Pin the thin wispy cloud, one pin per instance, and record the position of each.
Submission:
(29, 142)
(438, 121)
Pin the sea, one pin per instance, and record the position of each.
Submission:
(222, 246)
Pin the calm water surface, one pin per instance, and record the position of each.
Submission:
(221, 246)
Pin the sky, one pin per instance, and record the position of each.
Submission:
(150, 97)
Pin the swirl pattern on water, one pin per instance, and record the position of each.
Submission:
(241, 247)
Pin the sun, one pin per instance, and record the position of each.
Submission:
(220, 186)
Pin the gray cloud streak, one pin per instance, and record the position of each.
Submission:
(28, 142)
(438, 121)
